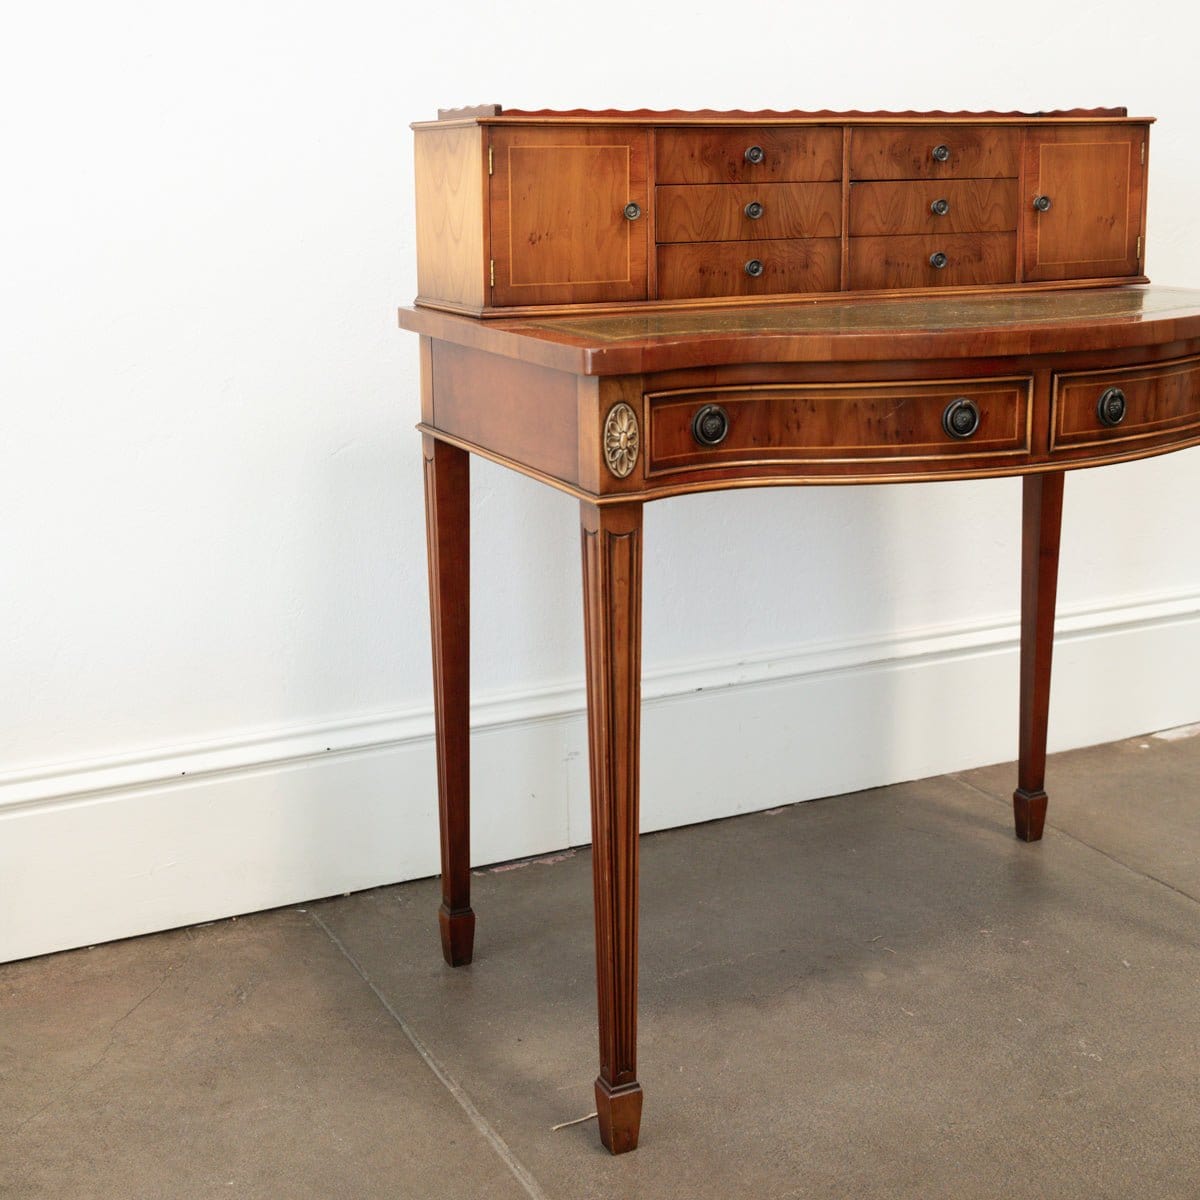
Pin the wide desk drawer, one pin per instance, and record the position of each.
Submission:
(744, 154)
(921, 261)
(719, 212)
(933, 206)
(769, 267)
(935, 152)
(1128, 405)
(938, 420)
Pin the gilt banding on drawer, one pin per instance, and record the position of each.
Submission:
(941, 421)
(1134, 407)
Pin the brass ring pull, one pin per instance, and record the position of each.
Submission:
(1110, 408)
(710, 425)
(961, 418)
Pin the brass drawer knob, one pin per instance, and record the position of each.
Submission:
(938, 260)
(710, 425)
(754, 154)
(632, 211)
(1110, 408)
(754, 268)
(940, 208)
(961, 418)
(753, 210)
(1041, 203)
(941, 153)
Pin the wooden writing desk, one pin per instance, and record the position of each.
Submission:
(625, 408)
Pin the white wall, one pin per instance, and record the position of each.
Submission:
(213, 614)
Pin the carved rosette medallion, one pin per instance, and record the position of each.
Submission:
(621, 439)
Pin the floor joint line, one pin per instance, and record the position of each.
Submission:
(1080, 842)
(481, 1123)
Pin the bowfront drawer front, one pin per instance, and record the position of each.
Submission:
(691, 269)
(935, 152)
(938, 261)
(933, 207)
(748, 155)
(1131, 409)
(719, 212)
(936, 423)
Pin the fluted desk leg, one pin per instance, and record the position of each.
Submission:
(612, 600)
(1041, 525)
(448, 526)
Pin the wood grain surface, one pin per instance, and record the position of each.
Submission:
(717, 212)
(719, 268)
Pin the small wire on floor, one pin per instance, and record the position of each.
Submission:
(577, 1121)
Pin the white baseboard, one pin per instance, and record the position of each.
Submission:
(101, 850)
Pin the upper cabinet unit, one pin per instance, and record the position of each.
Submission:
(538, 211)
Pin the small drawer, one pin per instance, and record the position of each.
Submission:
(690, 269)
(956, 259)
(933, 206)
(748, 155)
(1133, 405)
(935, 152)
(942, 421)
(719, 212)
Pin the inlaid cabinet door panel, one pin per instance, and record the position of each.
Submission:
(570, 215)
(1082, 205)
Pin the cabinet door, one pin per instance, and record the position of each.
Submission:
(563, 229)
(1082, 201)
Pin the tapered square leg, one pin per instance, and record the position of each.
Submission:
(1029, 814)
(612, 595)
(448, 527)
(619, 1111)
(1041, 526)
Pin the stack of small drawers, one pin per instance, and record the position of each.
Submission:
(745, 211)
(932, 207)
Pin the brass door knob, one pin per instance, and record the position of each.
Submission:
(632, 211)
(940, 208)
(754, 268)
(941, 153)
(938, 260)
(753, 210)
(1041, 203)
(754, 154)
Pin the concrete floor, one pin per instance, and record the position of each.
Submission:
(883, 995)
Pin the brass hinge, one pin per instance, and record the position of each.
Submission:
(492, 270)
(1139, 250)
(492, 160)
(1143, 154)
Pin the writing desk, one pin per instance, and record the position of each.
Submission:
(625, 408)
